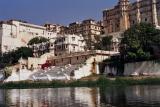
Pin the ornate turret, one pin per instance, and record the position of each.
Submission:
(124, 20)
(154, 13)
(138, 11)
(123, 2)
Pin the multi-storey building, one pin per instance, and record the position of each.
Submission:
(126, 14)
(67, 44)
(54, 28)
(61, 45)
(14, 34)
(90, 29)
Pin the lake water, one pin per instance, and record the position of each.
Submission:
(130, 96)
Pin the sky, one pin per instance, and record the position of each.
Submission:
(53, 11)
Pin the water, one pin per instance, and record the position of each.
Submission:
(131, 96)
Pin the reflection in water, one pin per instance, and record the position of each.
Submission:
(2, 98)
(132, 96)
(113, 96)
(58, 97)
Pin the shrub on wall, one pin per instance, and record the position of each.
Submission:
(7, 72)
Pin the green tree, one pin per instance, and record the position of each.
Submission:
(7, 72)
(11, 58)
(104, 43)
(23, 52)
(139, 42)
(107, 42)
(37, 40)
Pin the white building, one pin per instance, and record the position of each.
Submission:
(65, 44)
(60, 45)
(15, 34)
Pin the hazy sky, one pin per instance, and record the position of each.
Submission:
(53, 11)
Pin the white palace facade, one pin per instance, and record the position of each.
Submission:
(14, 34)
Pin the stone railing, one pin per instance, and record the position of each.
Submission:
(91, 52)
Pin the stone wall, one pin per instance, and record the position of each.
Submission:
(146, 67)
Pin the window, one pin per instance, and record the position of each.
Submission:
(74, 48)
(133, 22)
(145, 19)
(63, 39)
(5, 47)
(73, 38)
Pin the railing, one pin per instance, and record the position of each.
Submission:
(92, 52)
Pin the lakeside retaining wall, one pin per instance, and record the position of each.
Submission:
(147, 67)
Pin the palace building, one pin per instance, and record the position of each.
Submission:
(16, 33)
(67, 44)
(89, 29)
(125, 14)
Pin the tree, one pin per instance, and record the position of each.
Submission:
(107, 42)
(11, 58)
(139, 42)
(104, 43)
(37, 40)
(23, 52)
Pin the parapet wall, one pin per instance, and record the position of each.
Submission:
(145, 67)
(88, 57)
(148, 67)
